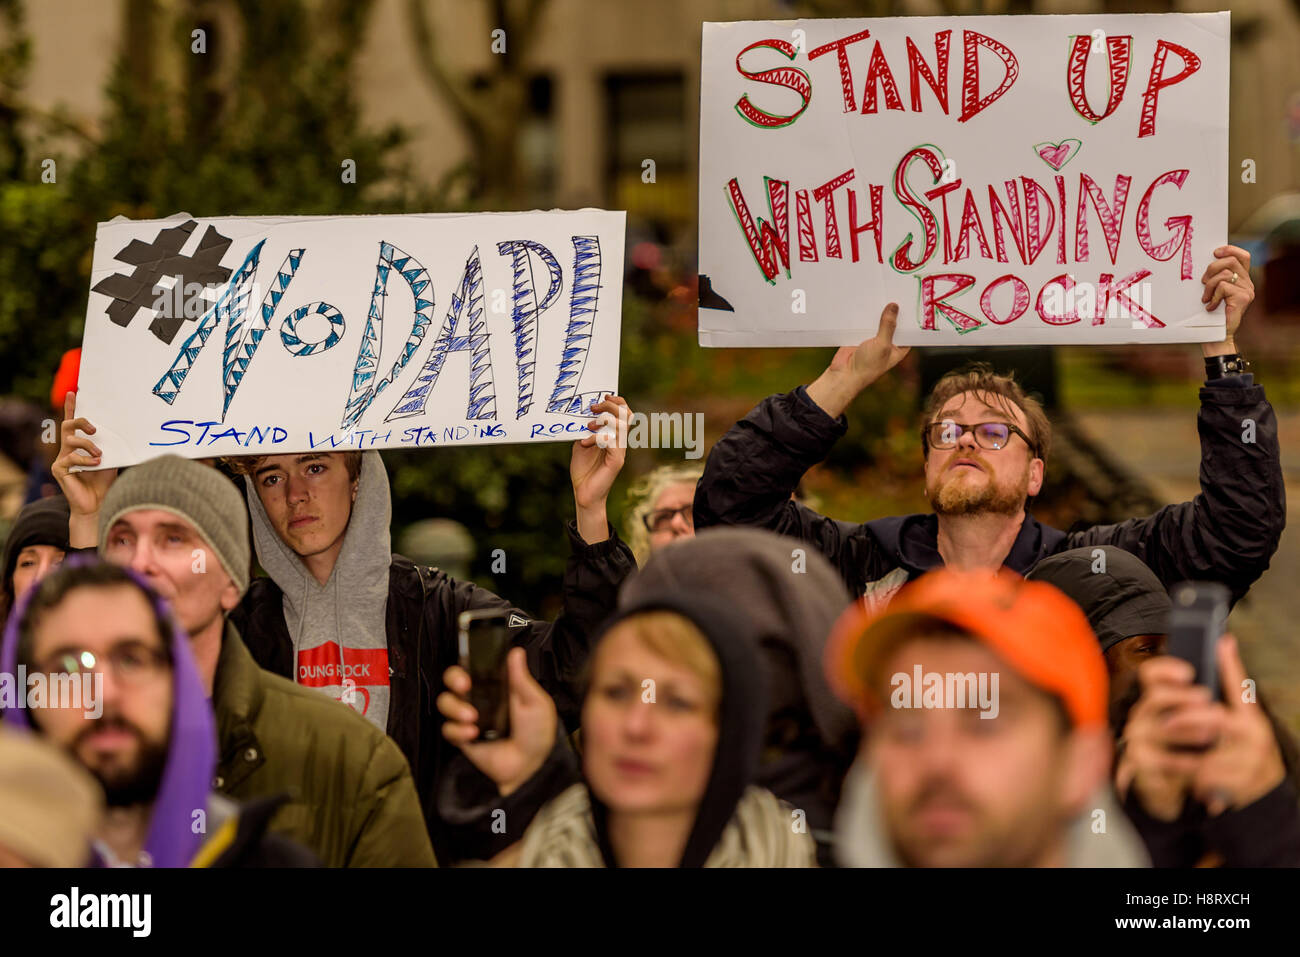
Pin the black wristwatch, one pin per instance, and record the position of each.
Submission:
(1216, 367)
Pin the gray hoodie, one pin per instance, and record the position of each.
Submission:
(1094, 840)
(339, 629)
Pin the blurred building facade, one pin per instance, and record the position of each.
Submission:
(611, 84)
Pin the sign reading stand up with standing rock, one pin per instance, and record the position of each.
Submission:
(1028, 179)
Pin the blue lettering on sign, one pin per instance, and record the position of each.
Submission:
(420, 435)
(170, 426)
(257, 435)
(536, 286)
(556, 428)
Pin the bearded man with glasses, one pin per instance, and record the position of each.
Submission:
(985, 444)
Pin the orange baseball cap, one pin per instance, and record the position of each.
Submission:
(1033, 626)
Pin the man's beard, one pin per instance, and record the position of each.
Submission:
(983, 846)
(137, 784)
(954, 496)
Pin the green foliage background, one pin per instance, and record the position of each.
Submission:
(270, 138)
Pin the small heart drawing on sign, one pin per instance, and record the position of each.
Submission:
(1057, 155)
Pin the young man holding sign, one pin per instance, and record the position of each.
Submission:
(342, 613)
(985, 444)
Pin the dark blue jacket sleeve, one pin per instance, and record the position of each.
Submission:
(754, 469)
(1229, 532)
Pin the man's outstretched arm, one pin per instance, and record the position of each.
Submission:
(753, 470)
(1230, 530)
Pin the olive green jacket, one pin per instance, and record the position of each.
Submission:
(352, 800)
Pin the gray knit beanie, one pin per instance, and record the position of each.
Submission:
(195, 492)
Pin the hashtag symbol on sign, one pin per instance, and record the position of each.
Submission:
(157, 259)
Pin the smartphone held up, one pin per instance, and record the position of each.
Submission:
(1198, 618)
(484, 643)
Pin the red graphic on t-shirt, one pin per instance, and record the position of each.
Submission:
(360, 669)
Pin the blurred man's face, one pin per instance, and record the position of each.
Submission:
(308, 499)
(34, 563)
(1125, 657)
(968, 479)
(670, 519)
(168, 552)
(640, 755)
(126, 747)
(959, 790)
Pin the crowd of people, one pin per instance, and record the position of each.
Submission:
(742, 682)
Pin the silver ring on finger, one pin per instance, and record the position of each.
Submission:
(1233, 279)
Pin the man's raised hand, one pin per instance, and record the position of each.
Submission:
(533, 721)
(856, 367)
(1227, 280)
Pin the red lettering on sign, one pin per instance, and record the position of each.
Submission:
(930, 302)
(971, 104)
(917, 68)
(767, 244)
(789, 77)
(1112, 217)
(1183, 225)
(825, 193)
(1019, 302)
(842, 58)
(1118, 53)
(879, 74)
(1157, 82)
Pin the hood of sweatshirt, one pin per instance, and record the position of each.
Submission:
(784, 598)
(339, 629)
(1099, 836)
(741, 711)
(191, 752)
(789, 597)
(43, 522)
(1121, 596)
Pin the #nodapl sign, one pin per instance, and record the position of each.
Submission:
(1057, 179)
(275, 335)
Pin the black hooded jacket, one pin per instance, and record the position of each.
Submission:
(742, 710)
(422, 612)
(786, 602)
(766, 609)
(1122, 597)
(43, 522)
(1227, 533)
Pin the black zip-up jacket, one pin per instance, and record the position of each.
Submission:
(1227, 533)
(423, 607)
(1263, 834)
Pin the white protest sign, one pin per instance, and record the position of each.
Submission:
(263, 336)
(1028, 179)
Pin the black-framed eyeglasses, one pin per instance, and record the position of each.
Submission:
(946, 434)
(661, 519)
(130, 662)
